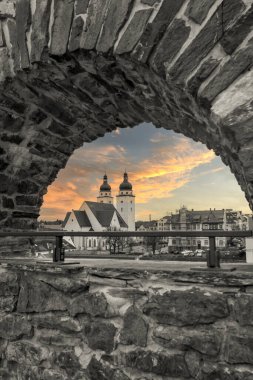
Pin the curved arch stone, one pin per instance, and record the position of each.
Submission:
(72, 70)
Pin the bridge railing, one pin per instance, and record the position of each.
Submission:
(213, 260)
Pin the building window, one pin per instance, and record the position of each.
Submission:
(94, 243)
(110, 202)
(121, 201)
(89, 243)
(174, 241)
(121, 192)
(221, 243)
(127, 192)
(121, 209)
(131, 209)
(105, 193)
(131, 201)
(194, 242)
(206, 242)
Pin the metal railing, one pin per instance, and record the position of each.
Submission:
(213, 260)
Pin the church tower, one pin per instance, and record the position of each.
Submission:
(126, 203)
(105, 194)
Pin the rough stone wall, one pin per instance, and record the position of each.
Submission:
(59, 324)
(72, 70)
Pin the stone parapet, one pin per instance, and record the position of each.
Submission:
(70, 321)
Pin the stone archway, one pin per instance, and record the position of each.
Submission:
(72, 70)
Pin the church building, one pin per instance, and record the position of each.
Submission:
(103, 215)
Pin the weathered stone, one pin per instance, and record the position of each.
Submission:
(150, 2)
(182, 308)
(172, 41)
(28, 187)
(8, 304)
(209, 35)
(238, 63)
(115, 18)
(91, 304)
(40, 297)
(76, 32)
(130, 293)
(28, 200)
(135, 328)
(244, 309)
(7, 9)
(133, 32)
(96, 13)
(8, 203)
(100, 336)
(1, 35)
(57, 322)
(5, 64)
(98, 370)
(14, 326)
(26, 353)
(197, 10)
(57, 338)
(193, 360)
(52, 374)
(238, 32)
(155, 30)
(23, 23)
(63, 13)
(9, 285)
(202, 74)
(159, 363)
(15, 52)
(39, 36)
(239, 349)
(206, 341)
(81, 6)
(211, 371)
(67, 360)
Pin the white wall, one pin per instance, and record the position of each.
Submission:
(249, 250)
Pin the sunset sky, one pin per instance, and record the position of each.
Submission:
(167, 170)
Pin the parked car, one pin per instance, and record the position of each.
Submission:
(186, 252)
(164, 250)
(199, 252)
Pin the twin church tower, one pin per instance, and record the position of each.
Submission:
(125, 200)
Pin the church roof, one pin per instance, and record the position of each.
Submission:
(81, 217)
(66, 219)
(104, 213)
(125, 185)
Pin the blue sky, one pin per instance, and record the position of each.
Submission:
(167, 170)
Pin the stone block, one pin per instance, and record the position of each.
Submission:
(40, 36)
(23, 20)
(204, 340)
(154, 30)
(26, 353)
(63, 14)
(9, 284)
(213, 371)
(57, 338)
(100, 336)
(202, 74)
(88, 303)
(236, 65)
(171, 43)
(7, 9)
(81, 6)
(191, 307)
(235, 35)
(99, 370)
(52, 374)
(114, 20)
(207, 38)
(95, 18)
(67, 360)
(14, 326)
(8, 304)
(135, 328)
(133, 32)
(37, 296)
(197, 10)
(57, 321)
(163, 363)
(76, 33)
(244, 309)
(239, 348)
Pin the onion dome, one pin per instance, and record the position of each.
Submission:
(125, 185)
(105, 185)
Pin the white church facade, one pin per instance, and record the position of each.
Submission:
(103, 215)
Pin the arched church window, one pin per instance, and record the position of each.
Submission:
(94, 243)
(89, 243)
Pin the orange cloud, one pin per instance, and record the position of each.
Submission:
(158, 175)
